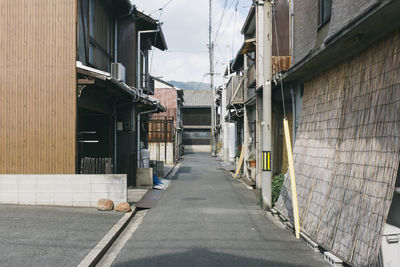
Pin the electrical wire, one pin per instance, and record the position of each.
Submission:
(220, 20)
(155, 35)
(234, 26)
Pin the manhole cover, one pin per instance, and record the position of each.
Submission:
(193, 198)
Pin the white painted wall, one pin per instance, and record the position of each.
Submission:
(80, 190)
(198, 148)
(157, 152)
(228, 131)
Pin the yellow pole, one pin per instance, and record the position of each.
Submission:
(292, 178)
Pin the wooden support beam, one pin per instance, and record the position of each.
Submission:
(240, 163)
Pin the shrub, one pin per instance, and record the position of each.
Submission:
(277, 183)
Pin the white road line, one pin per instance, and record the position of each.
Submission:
(107, 240)
(112, 253)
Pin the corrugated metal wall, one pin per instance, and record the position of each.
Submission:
(37, 86)
(168, 98)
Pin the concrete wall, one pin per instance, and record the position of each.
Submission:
(62, 190)
(197, 148)
(157, 152)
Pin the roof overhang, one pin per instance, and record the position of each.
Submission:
(137, 96)
(120, 7)
(249, 26)
(107, 77)
(146, 22)
(248, 46)
(350, 41)
(152, 103)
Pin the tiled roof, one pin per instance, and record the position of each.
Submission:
(198, 98)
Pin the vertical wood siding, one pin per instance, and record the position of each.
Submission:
(37, 86)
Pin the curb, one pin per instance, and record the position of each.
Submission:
(177, 163)
(101, 248)
(106, 242)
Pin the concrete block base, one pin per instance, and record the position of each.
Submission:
(74, 190)
(144, 178)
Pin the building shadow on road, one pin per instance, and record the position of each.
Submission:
(204, 257)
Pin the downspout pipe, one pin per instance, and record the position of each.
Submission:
(115, 137)
(292, 28)
(138, 55)
(138, 132)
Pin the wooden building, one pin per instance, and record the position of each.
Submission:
(197, 120)
(61, 101)
(165, 128)
(244, 90)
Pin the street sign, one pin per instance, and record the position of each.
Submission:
(266, 161)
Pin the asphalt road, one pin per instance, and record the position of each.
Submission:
(50, 236)
(205, 218)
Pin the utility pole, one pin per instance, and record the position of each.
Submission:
(266, 145)
(211, 53)
(260, 83)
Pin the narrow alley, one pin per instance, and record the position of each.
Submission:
(206, 218)
(200, 133)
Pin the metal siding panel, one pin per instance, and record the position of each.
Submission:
(167, 98)
(37, 86)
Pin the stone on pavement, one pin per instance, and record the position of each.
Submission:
(105, 204)
(123, 207)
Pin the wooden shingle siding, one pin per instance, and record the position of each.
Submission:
(37, 86)
(346, 154)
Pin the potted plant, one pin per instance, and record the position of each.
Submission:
(252, 160)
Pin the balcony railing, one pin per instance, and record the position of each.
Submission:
(251, 76)
(235, 90)
(147, 84)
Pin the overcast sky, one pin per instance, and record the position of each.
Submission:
(185, 26)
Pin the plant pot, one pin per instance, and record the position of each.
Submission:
(252, 163)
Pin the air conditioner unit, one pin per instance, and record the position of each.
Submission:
(118, 71)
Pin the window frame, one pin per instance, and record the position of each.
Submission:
(322, 17)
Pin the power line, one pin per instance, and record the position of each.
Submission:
(220, 20)
(230, 18)
(234, 26)
(155, 35)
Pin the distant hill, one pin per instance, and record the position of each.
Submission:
(190, 85)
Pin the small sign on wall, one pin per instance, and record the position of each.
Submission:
(266, 161)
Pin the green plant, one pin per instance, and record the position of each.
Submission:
(238, 152)
(252, 157)
(277, 183)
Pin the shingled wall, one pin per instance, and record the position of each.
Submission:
(347, 153)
